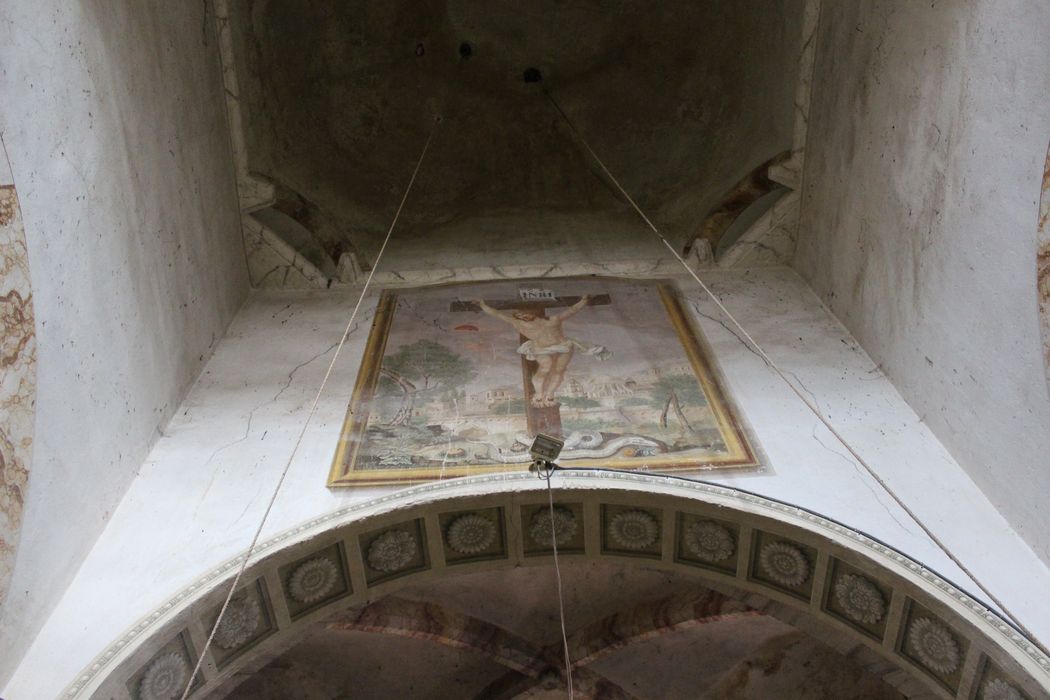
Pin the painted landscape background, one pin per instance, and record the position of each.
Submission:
(448, 397)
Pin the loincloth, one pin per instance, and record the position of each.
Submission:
(531, 351)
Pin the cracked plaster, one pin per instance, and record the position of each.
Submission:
(113, 122)
(927, 148)
(288, 336)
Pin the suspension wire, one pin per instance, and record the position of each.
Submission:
(309, 415)
(773, 365)
(546, 474)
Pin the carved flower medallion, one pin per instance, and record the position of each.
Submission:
(784, 563)
(998, 689)
(392, 551)
(239, 623)
(165, 678)
(934, 645)
(313, 580)
(470, 534)
(709, 541)
(633, 529)
(860, 599)
(562, 523)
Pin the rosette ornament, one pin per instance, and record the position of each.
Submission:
(561, 524)
(933, 645)
(392, 551)
(998, 689)
(633, 529)
(313, 580)
(709, 541)
(470, 534)
(860, 599)
(165, 678)
(784, 563)
(239, 623)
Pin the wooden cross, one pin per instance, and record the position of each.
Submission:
(540, 419)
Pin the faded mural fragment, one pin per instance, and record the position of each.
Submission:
(1043, 264)
(458, 379)
(17, 373)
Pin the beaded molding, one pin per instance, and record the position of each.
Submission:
(416, 496)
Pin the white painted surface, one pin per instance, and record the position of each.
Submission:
(205, 484)
(929, 126)
(113, 117)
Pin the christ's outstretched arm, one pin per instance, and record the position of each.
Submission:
(574, 309)
(493, 312)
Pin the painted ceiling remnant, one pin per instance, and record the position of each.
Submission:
(739, 198)
(17, 372)
(613, 366)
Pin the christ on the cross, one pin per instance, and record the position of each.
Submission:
(547, 345)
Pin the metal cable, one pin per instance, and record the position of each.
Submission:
(773, 365)
(309, 417)
(557, 573)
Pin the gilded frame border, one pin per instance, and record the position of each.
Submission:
(742, 454)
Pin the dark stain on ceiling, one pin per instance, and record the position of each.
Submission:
(681, 99)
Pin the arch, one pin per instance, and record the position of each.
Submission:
(854, 593)
(424, 620)
(529, 664)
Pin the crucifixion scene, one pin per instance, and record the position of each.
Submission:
(459, 379)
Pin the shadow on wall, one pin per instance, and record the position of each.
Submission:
(674, 117)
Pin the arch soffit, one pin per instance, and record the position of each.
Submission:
(837, 584)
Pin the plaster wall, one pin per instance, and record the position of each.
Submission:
(928, 129)
(113, 118)
(206, 483)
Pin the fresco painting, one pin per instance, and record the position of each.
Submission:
(458, 379)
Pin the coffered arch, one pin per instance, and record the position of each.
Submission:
(903, 622)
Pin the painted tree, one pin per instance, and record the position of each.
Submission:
(671, 391)
(424, 366)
